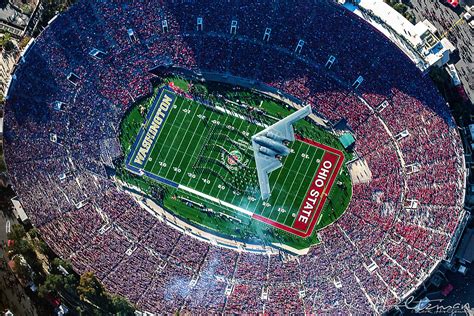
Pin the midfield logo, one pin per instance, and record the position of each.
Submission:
(234, 159)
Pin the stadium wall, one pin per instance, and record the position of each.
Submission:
(454, 242)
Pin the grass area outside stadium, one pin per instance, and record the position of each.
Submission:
(204, 150)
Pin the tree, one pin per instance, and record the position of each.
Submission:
(23, 42)
(51, 285)
(42, 247)
(17, 232)
(57, 280)
(26, 9)
(5, 38)
(120, 306)
(22, 247)
(50, 9)
(21, 268)
(400, 7)
(69, 281)
(7, 43)
(410, 17)
(33, 233)
(89, 287)
(60, 262)
(9, 46)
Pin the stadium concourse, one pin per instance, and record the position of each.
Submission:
(400, 224)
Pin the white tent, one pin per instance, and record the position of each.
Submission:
(18, 210)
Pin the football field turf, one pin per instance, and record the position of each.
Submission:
(205, 151)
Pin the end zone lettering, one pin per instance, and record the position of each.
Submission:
(159, 112)
(317, 192)
(313, 203)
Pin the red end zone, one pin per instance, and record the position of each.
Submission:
(317, 193)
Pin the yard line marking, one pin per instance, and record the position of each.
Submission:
(181, 142)
(202, 170)
(211, 198)
(308, 171)
(175, 149)
(227, 193)
(225, 134)
(189, 161)
(198, 148)
(298, 154)
(158, 138)
(210, 118)
(306, 188)
(276, 181)
(326, 191)
(298, 178)
(253, 159)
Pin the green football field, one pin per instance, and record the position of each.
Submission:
(195, 159)
(205, 151)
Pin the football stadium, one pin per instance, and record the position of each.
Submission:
(133, 140)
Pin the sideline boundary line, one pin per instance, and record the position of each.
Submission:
(316, 210)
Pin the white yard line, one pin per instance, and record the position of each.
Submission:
(249, 201)
(192, 155)
(213, 199)
(226, 134)
(225, 197)
(166, 137)
(311, 179)
(297, 154)
(196, 149)
(180, 143)
(232, 113)
(276, 181)
(165, 158)
(200, 176)
(308, 170)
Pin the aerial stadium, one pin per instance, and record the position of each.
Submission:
(247, 157)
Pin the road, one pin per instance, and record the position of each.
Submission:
(461, 35)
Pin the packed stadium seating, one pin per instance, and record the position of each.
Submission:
(64, 187)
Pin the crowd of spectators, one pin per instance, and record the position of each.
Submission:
(56, 153)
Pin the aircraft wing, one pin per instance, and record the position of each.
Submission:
(265, 165)
(284, 128)
(285, 131)
(281, 130)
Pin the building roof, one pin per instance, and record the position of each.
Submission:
(347, 140)
(417, 41)
(18, 210)
(13, 16)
